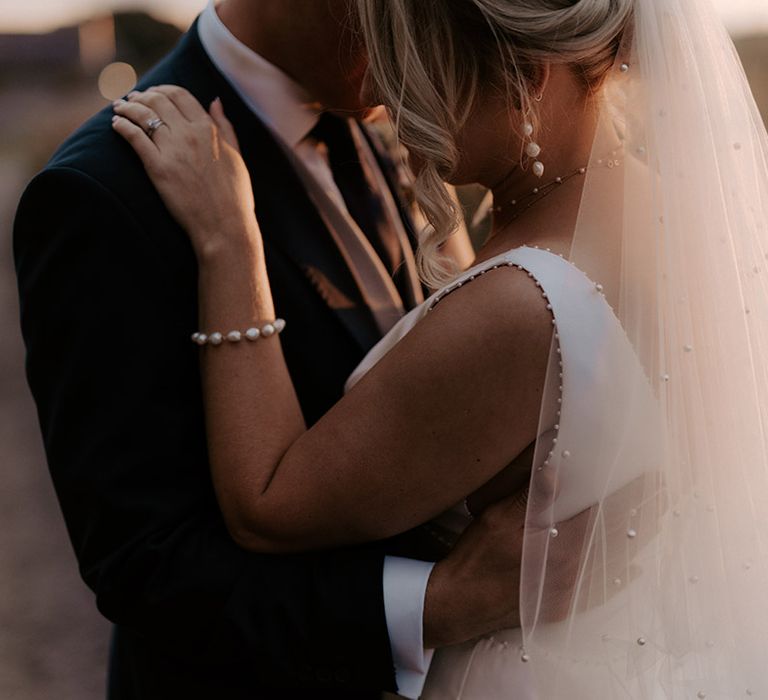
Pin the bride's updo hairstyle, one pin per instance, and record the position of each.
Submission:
(428, 59)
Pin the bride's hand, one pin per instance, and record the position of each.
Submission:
(194, 161)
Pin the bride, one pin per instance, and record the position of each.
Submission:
(614, 324)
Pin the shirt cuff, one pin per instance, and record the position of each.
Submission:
(405, 588)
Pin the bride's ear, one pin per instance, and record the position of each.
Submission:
(536, 83)
(540, 80)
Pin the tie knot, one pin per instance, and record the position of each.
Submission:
(330, 130)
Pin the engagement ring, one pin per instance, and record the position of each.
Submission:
(153, 125)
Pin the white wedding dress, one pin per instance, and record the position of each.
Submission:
(595, 359)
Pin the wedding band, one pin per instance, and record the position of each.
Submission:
(153, 125)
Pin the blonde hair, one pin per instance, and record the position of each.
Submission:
(429, 57)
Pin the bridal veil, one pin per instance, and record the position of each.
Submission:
(670, 596)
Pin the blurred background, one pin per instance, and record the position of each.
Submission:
(60, 61)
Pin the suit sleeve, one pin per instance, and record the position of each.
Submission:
(116, 382)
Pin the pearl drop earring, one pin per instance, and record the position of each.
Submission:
(533, 150)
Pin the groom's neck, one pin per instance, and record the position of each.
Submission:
(266, 27)
(309, 40)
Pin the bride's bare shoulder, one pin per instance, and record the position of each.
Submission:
(497, 301)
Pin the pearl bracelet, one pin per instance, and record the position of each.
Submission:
(252, 334)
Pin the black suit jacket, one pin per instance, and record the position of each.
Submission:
(107, 284)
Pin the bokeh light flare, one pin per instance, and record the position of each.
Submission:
(116, 80)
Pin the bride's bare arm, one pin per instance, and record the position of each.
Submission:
(448, 408)
(442, 413)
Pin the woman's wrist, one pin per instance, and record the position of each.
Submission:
(227, 242)
(234, 286)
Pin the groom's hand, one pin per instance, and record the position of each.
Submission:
(475, 590)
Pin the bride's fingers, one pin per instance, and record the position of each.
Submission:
(144, 146)
(225, 126)
(185, 102)
(161, 105)
(139, 114)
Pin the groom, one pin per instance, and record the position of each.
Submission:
(107, 283)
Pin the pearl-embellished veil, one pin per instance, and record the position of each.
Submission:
(670, 596)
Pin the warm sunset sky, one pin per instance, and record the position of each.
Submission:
(40, 15)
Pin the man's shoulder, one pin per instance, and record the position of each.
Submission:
(94, 170)
(95, 150)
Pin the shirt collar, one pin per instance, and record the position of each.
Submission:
(279, 101)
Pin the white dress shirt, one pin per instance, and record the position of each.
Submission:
(288, 111)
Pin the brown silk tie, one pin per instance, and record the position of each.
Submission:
(362, 233)
(363, 203)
